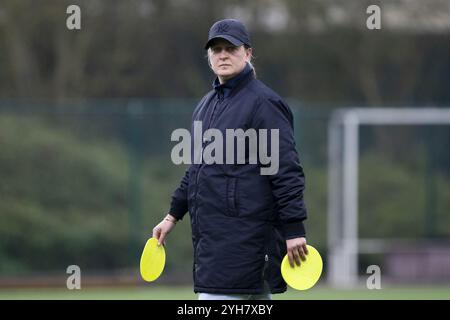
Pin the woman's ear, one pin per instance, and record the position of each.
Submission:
(248, 54)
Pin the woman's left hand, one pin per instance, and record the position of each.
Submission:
(296, 250)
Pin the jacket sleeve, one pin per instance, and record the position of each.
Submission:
(179, 202)
(288, 184)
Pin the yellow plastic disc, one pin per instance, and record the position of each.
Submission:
(306, 275)
(153, 259)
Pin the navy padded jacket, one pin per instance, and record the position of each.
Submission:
(241, 219)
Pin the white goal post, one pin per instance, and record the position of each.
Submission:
(344, 244)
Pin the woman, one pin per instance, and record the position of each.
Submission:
(243, 222)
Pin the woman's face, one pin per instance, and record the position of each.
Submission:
(226, 59)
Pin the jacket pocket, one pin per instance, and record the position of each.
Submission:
(231, 197)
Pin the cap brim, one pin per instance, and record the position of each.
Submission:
(231, 39)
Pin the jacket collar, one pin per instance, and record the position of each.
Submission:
(224, 90)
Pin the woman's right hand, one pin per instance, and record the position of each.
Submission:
(163, 228)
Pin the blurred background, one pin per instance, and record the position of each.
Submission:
(86, 117)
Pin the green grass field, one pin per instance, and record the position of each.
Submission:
(186, 293)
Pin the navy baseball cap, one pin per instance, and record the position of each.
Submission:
(231, 30)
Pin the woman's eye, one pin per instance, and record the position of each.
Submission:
(219, 49)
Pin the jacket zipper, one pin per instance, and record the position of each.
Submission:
(202, 164)
(266, 264)
(198, 173)
(266, 256)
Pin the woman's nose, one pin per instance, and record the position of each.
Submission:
(223, 54)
